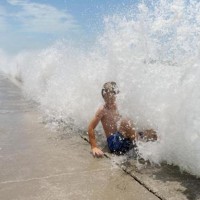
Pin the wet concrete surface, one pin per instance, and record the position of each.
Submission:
(165, 181)
(38, 164)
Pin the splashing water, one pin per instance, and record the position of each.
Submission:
(152, 52)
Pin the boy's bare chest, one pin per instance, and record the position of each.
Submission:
(111, 115)
(110, 121)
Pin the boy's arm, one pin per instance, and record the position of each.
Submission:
(91, 131)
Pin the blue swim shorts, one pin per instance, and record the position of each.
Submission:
(118, 144)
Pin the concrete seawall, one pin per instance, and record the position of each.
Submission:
(38, 164)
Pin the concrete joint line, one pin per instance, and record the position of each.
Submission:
(51, 176)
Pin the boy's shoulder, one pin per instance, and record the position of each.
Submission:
(101, 111)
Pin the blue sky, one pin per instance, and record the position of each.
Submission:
(30, 24)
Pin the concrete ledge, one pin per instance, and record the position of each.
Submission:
(38, 164)
(165, 181)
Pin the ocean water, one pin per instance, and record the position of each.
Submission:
(152, 51)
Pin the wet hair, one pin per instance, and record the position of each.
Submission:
(109, 87)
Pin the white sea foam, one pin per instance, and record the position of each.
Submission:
(152, 52)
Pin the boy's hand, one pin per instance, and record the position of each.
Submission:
(97, 152)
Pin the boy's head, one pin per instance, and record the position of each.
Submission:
(109, 91)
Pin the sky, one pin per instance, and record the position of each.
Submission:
(33, 24)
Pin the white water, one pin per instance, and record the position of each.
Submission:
(152, 52)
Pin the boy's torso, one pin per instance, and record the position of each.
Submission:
(110, 120)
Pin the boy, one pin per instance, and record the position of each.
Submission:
(120, 132)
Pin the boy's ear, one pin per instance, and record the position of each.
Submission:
(103, 92)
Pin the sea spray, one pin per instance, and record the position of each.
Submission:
(152, 52)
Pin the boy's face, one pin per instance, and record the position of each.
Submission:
(110, 98)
